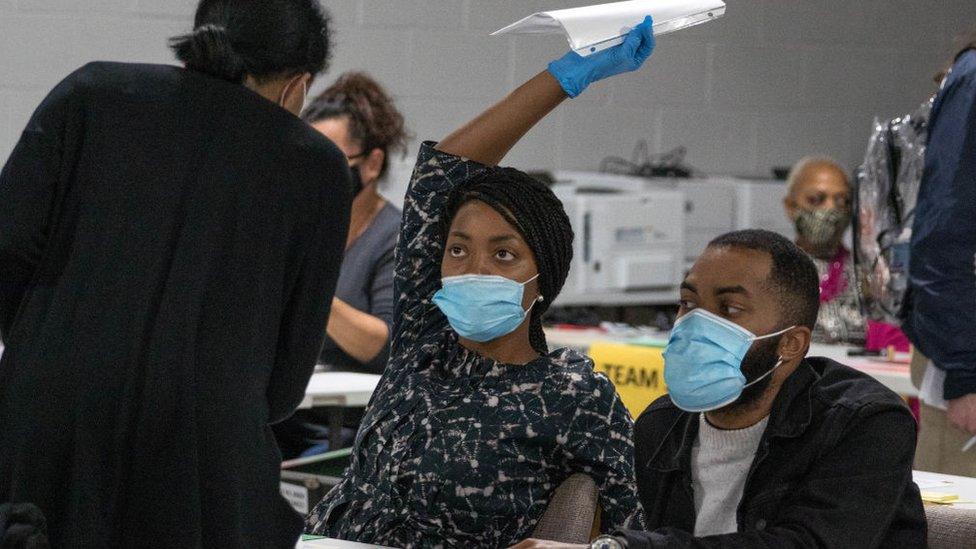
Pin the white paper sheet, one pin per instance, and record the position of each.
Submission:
(929, 484)
(590, 29)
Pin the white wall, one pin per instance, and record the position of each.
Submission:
(772, 81)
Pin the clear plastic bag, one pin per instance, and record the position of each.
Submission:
(887, 190)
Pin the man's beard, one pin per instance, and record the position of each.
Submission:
(760, 359)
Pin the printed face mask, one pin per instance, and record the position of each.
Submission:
(822, 227)
(703, 361)
(482, 307)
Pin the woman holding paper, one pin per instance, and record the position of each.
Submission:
(475, 422)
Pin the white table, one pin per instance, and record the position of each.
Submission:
(894, 375)
(340, 389)
(964, 487)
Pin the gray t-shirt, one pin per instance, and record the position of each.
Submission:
(366, 283)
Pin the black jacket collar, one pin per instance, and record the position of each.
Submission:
(790, 416)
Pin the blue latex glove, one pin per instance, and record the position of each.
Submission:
(575, 72)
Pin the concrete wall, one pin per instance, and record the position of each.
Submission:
(772, 81)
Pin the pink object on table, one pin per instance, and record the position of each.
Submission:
(882, 335)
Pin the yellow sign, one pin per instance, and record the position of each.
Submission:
(636, 371)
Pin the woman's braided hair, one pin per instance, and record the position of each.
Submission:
(532, 208)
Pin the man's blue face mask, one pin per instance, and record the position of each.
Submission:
(482, 307)
(703, 361)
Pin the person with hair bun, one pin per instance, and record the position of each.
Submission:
(476, 422)
(358, 115)
(170, 241)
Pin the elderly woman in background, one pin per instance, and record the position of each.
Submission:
(819, 203)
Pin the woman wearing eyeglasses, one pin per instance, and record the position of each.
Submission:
(359, 116)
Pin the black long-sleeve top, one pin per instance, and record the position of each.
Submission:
(169, 246)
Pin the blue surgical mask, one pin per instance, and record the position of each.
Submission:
(703, 361)
(482, 307)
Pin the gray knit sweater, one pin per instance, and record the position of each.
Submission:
(720, 461)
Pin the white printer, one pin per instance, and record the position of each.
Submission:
(629, 245)
(636, 236)
(717, 205)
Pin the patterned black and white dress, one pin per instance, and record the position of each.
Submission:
(458, 450)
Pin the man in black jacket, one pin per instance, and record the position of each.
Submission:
(809, 453)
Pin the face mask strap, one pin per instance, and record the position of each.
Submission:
(537, 299)
(767, 336)
(760, 378)
(281, 100)
(531, 279)
(284, 92)
(778, 364)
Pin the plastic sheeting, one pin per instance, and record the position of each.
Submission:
(887, 190)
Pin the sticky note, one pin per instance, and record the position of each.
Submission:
(940, 498)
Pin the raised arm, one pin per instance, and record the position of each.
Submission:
(470, 150)
(489, 137)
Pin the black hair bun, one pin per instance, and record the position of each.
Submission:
(264, 39)
(209, 49)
